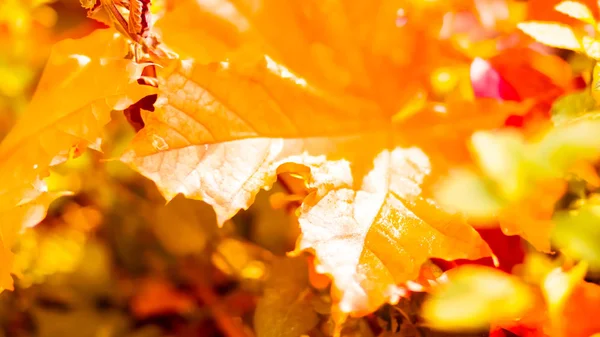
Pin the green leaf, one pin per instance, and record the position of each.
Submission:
(474, 297)
(578, 233)
(567, 144)
(503, 157)
(511, 166)
(572, 106)
(470, 194)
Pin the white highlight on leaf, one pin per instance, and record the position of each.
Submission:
(283, 71)
(82, 60)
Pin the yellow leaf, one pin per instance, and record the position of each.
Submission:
(195, 222)
(285, 308)
(576, 10)
(552, 34)
(475, 297)
(82, 82)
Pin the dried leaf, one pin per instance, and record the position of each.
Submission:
(139, 17)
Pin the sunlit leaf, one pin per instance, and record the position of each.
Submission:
(388, 128)
(576, 10)
(265, 97)
(552, 34)
(222, 152)
(93, 74)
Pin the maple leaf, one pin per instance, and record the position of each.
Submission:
(83, 81)
(222, 131)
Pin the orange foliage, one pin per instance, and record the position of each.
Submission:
(372, 106)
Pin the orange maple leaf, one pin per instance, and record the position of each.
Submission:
(315, 89)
